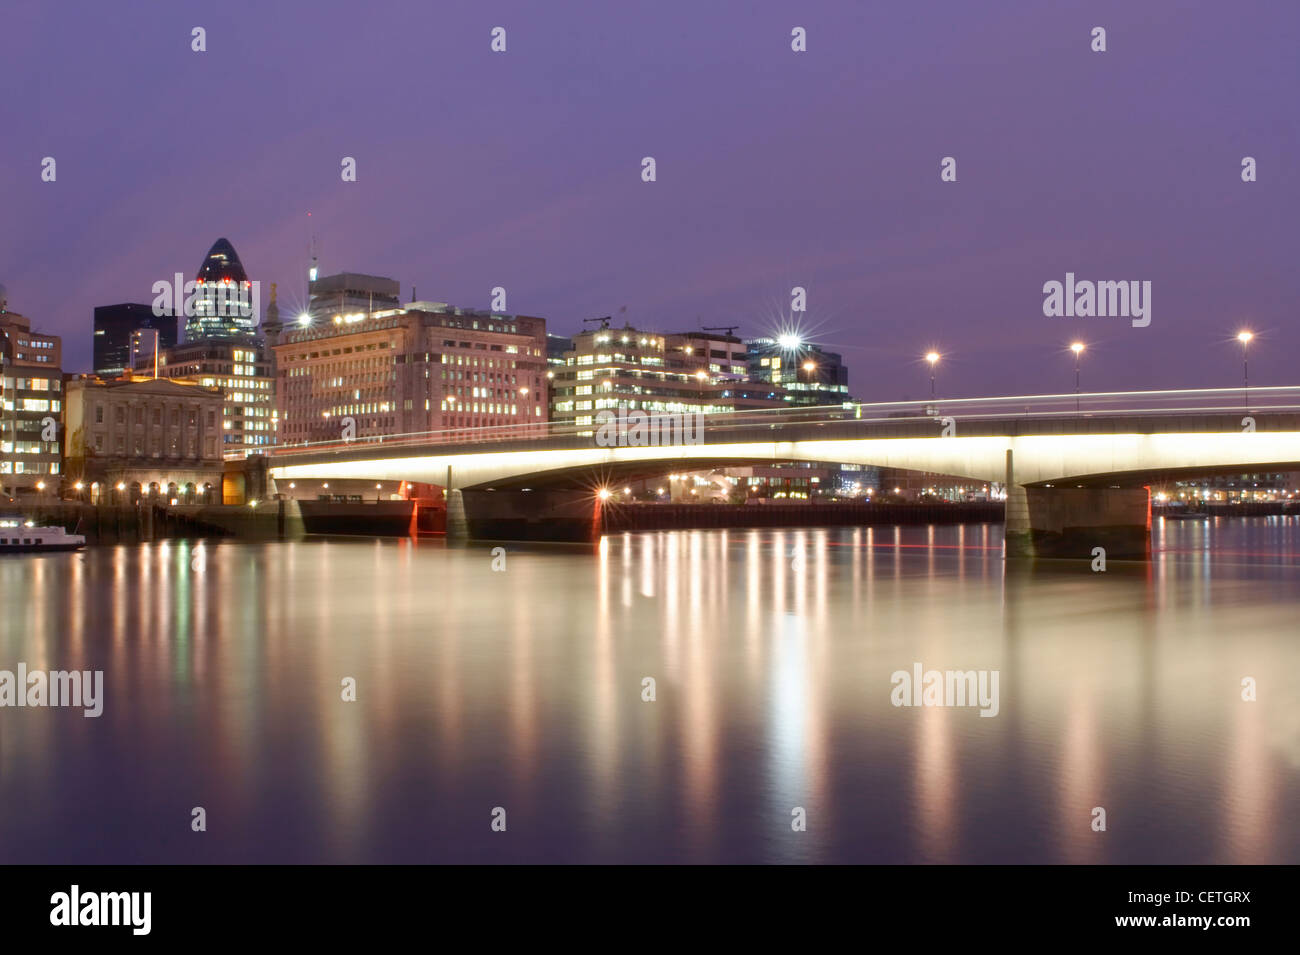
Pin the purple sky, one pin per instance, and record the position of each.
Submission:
(775, 169)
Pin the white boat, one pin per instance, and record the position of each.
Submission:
(19, 537)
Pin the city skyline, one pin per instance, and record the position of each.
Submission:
(775, 169)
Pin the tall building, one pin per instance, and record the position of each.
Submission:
(556, 348)
(136, 437)
(31, 406)
(146, 346)
(421, 367)
(243, 371)
(225, 303)
(809, 375)
(724, 357)
(350, 292)
(665, 374)
(114, 327)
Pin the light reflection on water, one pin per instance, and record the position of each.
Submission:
(771, 650)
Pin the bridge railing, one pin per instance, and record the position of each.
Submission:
(1215, 401)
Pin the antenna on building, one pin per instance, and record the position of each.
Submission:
(412, 294)
(312, 272)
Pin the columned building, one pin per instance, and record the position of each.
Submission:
(243, 372)
(134, 437)
(31, 407)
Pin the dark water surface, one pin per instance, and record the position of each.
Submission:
(772, 652)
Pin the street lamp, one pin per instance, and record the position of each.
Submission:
(1077, 348)
(933, 359)
(1244, 337)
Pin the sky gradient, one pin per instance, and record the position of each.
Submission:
(775, 169)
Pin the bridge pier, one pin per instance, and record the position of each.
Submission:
(1018, 534)
(1071, 521)
(457, 525)
(537, 515)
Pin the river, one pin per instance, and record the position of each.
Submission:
(509, 686)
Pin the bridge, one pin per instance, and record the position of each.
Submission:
(1076, 468)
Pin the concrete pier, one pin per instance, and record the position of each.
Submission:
(1070, 522)
(539, 515)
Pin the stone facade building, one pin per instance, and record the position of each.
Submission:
(137, 437)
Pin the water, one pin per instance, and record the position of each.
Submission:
(772, 653)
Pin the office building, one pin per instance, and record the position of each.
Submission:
(225, 301)
(31, 407)
(808, 375)
(660, 374)
(410, 369)
(114, 327)
(146, 347)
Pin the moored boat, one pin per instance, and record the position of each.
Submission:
(22, 537)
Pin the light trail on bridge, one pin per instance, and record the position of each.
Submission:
(1228, 401)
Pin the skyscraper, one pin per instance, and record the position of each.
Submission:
(114, 326)
(225, 303)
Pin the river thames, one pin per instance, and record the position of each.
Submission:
(513, 681)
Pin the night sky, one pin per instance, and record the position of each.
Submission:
(775, 169)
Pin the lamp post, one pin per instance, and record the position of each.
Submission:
(933, 359)
(1077, 348)
(1245, 337)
